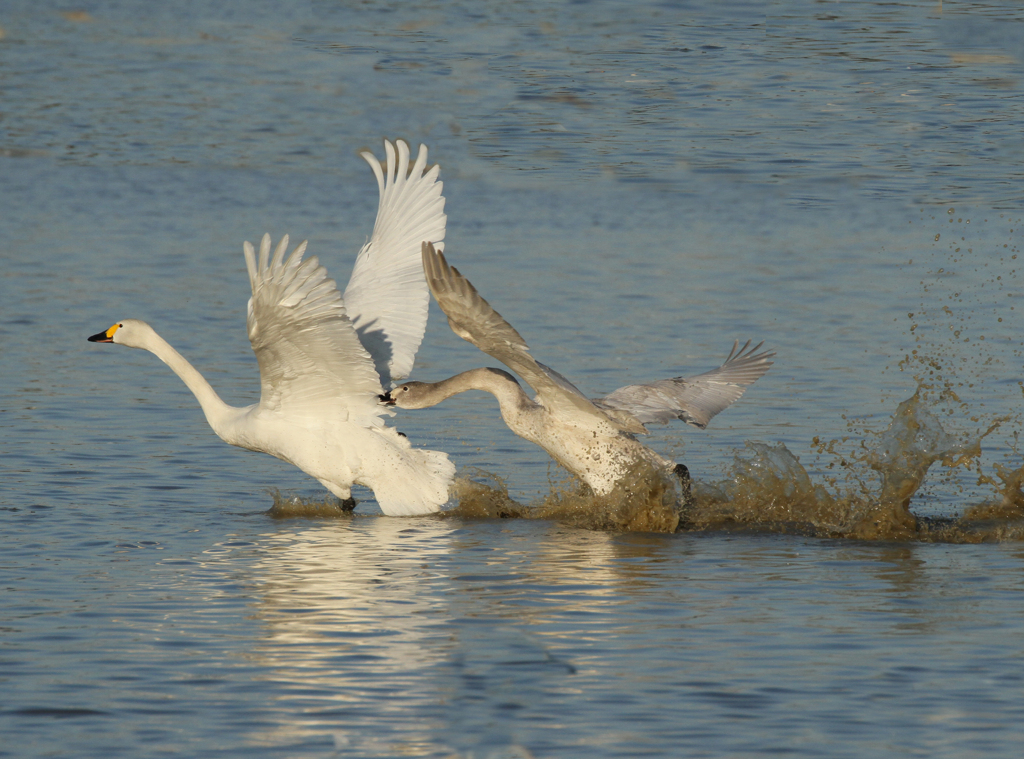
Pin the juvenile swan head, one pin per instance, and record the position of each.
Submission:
(411, 395)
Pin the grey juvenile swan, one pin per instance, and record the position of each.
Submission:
(593, 439)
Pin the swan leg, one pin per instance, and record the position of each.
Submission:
(347, 504)
(685, 491)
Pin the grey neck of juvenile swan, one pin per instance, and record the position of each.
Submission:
(498, 383)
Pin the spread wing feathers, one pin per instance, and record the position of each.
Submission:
(386, 296)
(311, 361)
(695, 400)
(472, 318)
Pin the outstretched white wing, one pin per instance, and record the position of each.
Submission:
(695, 400)
(473, 319)
(386, 296)
(312, 364)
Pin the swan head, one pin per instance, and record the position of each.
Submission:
(130, 332)
(409, 395)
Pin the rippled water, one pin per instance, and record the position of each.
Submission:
(633, 186)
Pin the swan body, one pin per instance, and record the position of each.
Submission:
(593, 439)
(322, 361)
(591, 446)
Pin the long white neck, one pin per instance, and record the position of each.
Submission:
(217, 412)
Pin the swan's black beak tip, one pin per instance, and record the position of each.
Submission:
(385, 400)
(100, 337)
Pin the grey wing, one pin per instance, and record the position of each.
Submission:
(560, 380)
(473, 319)
(694, 400)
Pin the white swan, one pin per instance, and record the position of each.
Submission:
(322, 359)
(593, 439)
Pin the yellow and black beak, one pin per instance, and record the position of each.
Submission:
(106, 336)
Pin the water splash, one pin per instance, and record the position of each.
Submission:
(645, 500)
(292, 507)
(914, 440)
(1010, 505)
(963, 342)
(483, 495)
(770, 490)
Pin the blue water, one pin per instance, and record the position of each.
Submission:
(634, 186)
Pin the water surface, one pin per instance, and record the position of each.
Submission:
(633, 187)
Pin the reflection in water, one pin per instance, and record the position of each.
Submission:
(375, 642)
(348, 626)
(420, 637)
